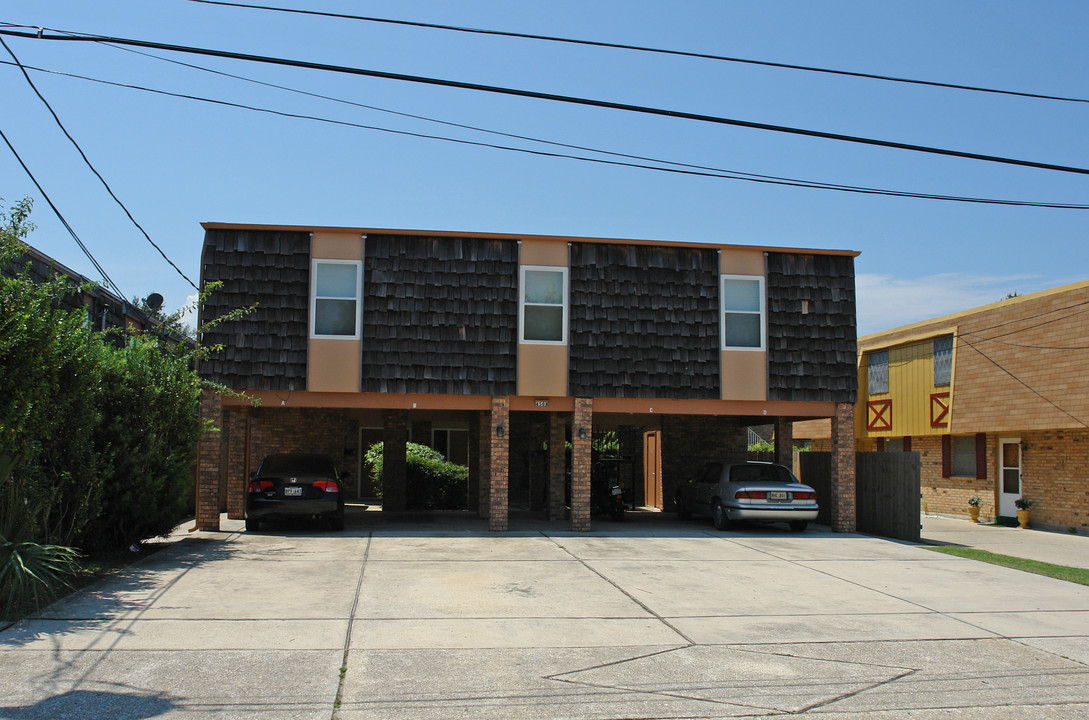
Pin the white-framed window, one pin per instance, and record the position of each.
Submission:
(336, 292)
(743, 318)
(542, 312)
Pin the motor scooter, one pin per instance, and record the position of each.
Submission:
(607, 496)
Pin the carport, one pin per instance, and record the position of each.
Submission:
(516, 449)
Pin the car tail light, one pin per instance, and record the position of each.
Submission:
(750, 495)
(327, 485)
(259, 486)
(805, 495)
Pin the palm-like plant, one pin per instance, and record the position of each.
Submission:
(31, 573)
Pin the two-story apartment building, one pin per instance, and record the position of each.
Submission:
(995, 399)
(494, 347)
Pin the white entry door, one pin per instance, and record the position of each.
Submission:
(1009, 475)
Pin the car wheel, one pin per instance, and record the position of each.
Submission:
(682, 511)
(253, 524)
(720, 518)
(798, 525)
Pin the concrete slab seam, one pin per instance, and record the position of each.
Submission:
(348, 630)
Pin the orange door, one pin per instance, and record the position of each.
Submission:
(652, 469)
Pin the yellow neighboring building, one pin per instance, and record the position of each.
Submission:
(995, 400)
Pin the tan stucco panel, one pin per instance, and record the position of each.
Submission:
(333, 365)
(336, 246)
(542, 252)
(741, 262)
(744, 375)
(542, 370)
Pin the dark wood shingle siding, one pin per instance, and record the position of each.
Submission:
(265, 349)
(440, 315)
(811, 356)
(643, 322)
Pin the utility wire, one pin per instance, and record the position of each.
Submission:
(494, 89)
(60, 217)
(1031, 389)
(682, 169)
(640, 48)
(88, 162)
(746, 175)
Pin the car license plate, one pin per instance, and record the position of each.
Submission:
(293, 491)
(778, 495)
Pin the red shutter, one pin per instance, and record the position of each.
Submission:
(947, 455)
(981, 456)
(907, 444)
(880, 444)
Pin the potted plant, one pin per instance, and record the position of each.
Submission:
(1023, 505)
(974, 504)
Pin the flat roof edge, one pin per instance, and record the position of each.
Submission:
(523, 236)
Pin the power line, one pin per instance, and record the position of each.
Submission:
(552, 97)
(640, 48)
(60, 217)
(88, 162)
(682, 168)
(1031, 389)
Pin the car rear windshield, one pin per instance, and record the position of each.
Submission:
(297, 465)
(760, 473)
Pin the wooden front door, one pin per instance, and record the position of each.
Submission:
(652, 469)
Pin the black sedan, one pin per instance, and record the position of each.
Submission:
(305, 486)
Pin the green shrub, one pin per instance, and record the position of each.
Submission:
(431, 481)
(150, 410)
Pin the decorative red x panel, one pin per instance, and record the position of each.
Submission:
(939, 410)
(879, 415)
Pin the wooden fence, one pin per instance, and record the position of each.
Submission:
(887, 494)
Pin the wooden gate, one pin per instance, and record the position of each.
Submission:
(887, 491)
(652, 469)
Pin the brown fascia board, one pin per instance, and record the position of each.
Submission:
(509, 236)
(948, 324)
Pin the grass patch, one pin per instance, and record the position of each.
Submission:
(1059, 572)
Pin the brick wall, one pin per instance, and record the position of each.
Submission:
(691, 441)
(1054, 473)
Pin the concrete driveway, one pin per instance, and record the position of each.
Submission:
(653, 619)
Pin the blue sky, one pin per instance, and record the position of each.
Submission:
(176, 163)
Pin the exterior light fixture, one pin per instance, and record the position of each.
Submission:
(499, 431)
(582, 433)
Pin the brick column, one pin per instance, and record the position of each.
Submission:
(208, 469)
(580, 464)
(843, 468)
(784, 442)
(557, 461)
(394, 466)
(498, 492)
(484, 463)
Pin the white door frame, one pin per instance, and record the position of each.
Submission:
(1006, 507)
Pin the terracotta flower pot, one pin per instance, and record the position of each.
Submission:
(973, 513)
(1022, 518)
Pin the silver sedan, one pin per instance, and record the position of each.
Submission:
(747, 491)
